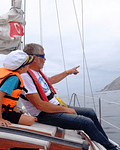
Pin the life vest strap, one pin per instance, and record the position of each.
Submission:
(7, 108)
(49, 97)
(10, 97)
(23, 97)
(48, 82)
(38, 85)
(25, 89)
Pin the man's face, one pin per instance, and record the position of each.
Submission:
(40, 60)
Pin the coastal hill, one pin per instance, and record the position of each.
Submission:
(114, 85)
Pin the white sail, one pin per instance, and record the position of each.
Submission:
(11, 29)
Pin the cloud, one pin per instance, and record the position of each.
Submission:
(101, 38)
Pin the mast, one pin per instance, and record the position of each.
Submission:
(16, 3)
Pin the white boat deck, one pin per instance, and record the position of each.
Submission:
(42, 129)
(69, 135)
(38, 127)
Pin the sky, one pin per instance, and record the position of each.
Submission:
(100, 30)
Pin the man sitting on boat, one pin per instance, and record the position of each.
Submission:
(11, 86)
(40, 101)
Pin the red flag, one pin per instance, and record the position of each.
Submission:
(16, 29)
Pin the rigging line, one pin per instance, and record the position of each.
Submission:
(61, 46)
(90, 83)
(111, 124)
(84, 53)
(78, 25)
(11, 2)
(24, 18)
(41, 35)
(108, 101)
(40, 14)
(82, 43)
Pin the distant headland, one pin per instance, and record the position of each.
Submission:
(114, 85)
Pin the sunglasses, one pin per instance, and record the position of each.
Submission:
(43, 55)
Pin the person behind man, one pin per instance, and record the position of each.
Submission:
(11, 85)
(49, 112)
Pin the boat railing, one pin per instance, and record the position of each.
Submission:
(100, 118)
(74, 98)
(76, 102)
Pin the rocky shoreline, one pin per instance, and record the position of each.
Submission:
(114, 85)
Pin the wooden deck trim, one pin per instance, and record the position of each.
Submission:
(55, 146)
(7, 144)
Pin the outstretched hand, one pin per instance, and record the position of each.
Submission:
(74, 70)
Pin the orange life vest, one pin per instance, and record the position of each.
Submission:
(10, 100)
(39, 87)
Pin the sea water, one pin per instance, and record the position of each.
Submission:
(110, 110)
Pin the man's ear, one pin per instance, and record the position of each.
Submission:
(34, 60)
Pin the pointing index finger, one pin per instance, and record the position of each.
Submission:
(77, 66)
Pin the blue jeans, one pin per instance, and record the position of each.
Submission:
(85, 120)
